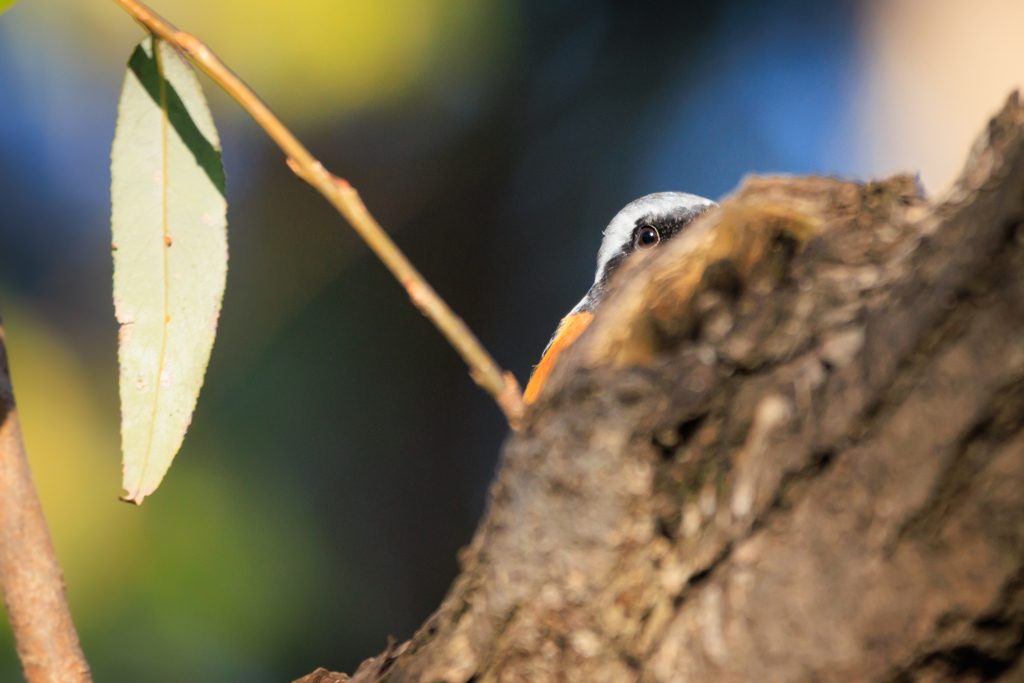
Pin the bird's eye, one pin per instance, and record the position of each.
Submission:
(647, 237)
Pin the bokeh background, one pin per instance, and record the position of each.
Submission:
(340, 455)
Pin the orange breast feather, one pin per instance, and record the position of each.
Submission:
(569, 330)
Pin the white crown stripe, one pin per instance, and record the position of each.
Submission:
(653, 207)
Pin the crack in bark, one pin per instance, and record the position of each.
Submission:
(1002, 419)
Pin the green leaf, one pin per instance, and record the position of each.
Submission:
(4, 4)
(170, 256)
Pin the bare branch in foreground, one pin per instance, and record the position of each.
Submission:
(30, 578)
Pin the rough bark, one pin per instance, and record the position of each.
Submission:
(790, 447)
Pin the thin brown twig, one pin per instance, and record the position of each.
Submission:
(30, 577)
(502, 385)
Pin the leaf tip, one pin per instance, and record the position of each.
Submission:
(135, 499)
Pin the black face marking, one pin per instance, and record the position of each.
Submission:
(667, 227)
(649, 231)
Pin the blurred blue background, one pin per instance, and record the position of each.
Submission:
(340, 455)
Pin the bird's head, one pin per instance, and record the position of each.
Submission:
(643, 224)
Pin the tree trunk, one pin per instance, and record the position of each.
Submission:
(790, 447)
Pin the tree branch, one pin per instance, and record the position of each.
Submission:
(30, 577)
(484, 371)
(789, 447)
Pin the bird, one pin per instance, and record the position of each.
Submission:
(642, 224)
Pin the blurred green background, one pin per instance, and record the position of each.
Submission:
(340, 455)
